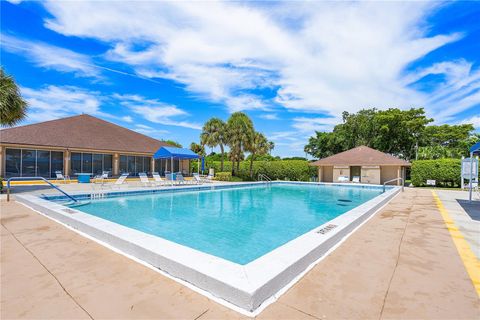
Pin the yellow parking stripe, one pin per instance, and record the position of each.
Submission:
(470, 261)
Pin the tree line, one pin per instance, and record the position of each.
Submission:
(403, 133)
(239, 135)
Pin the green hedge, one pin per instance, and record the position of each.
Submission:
(446, 172)
(294, 170)
(223, 176)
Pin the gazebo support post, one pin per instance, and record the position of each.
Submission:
(471, 178)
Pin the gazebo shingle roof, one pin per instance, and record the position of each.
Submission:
(361, 156)
(82, 132)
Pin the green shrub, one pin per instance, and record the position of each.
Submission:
(446, 172)
(1, 185)
(223, 176)
(294, 170)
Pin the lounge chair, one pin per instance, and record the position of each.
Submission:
(100, 178)
(119, 182)
(356, 179)
(61, 177)
(181, 179)
(144, 180)
(342, 179)
(159, 181)
(199, 179)
(169, 178)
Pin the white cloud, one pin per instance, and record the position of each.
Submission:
(323, 57)
(149, 131)
(53, 102)
(310, 125)
(475, 120)
(51, 57)
(156, 111)
(269, 116)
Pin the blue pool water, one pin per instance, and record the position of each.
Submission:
(238, 224)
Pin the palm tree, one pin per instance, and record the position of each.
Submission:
(198, 149)
(258, 145)
(214, 134)
(13, 108)
(271, 146)
(239, 133)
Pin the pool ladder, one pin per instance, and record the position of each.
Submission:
(97, 195)
(264, 178)
(396, 179)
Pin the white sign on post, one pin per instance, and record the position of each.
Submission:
(467, 168)
(431, 182)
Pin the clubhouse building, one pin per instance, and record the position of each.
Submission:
(80, 144)
(361, 164)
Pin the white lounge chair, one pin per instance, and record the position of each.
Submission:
(181, 179)
(159, 181)
(144, 180)
(169, 179)
(199, 179)
(100, 178)
(119, 182)
(342, 179)
(61, 177)
(356, 179)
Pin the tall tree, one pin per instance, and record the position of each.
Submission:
(239, 133)
(258, 145)
(198, 149)
(271, 146)
(214, 134)
(173, 143)
(13, 108)
(392, 131)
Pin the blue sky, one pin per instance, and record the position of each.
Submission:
(164, 68)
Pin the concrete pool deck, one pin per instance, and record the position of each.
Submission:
(400, 264)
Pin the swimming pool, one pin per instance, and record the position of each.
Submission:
(240, 244)
(236, 224)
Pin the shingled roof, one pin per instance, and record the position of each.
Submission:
(81, 132)
(361, 156)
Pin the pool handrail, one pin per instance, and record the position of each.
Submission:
(401, 179)
(262, 177)
(35, 178)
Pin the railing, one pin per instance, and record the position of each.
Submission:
(35, 178)
(263, 177)
(396, 179)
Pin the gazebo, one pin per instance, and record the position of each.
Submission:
(475, 149)
(174, 153)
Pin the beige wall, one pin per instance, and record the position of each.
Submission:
(389, 173)
(340, 171)
(370, 174)
(327, 174)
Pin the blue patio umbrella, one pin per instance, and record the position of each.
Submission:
(203, 164)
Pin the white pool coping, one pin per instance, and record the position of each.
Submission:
(245, 286)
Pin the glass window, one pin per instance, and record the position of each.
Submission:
(13, 159)
(86, 163)
(146, 164)
(176, 165)
(107, 163)
(123, 164)
(56, 163)
(29, 167)
(131, 165)
(97, 163)
(76, 159)
(43, 163)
